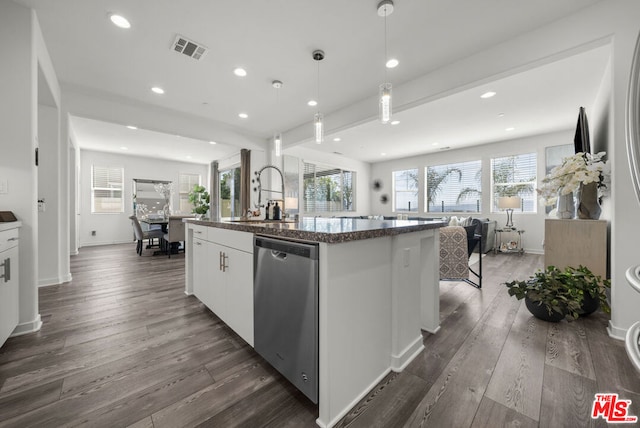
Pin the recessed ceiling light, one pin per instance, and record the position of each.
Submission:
(392, 63)
(158, 90)
(188, 156)
(243, 115)
(212, 142)
(383, 154)
(434, 144)
(123, 148)
(395, 122)
(337, 139)
(132, 127)
(240, 72)
(509, 129)
(312, 103)
(487, 94)
(500, 114)
(119, 21)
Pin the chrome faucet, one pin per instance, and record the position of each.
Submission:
(259, 189)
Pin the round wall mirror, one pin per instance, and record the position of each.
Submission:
(633, 120)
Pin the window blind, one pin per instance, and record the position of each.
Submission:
(454, 187)
(515, 176)
(106, 189)
(405, 190)
(186, 184)
(328, 189)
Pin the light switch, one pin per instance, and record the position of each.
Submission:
(4, 186)
(41, 205)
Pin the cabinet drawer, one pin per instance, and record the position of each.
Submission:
(199, 231)
(242, 241)
(8, 239)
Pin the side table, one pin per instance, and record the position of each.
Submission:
(512, 246)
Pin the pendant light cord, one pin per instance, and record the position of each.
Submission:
(386, 56)
(318, 86)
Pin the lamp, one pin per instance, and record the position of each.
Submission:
(385, 8)
(277, 138)
(508, 203)
(318, 119)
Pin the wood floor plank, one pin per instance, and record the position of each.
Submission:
(28, 400)
(394, 404)
(491, 415)
(207, 402)
(566, 399)
(568, 349)
(518, 376)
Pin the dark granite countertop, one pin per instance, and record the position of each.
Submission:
(320, 229)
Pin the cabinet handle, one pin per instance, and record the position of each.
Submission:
(225, 266)
(12, 239)
(198, 243)
(220, 260)
(197, 231)
(7, 270)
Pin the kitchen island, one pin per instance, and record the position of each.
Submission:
(378, 288)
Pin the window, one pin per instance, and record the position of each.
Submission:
(515, 176)
(455, 187)
(106, 189)
(187, 182)
(328, 189)
(230, 193)
(405, 190)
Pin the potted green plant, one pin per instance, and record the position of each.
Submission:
(199, 198)
(554, 294)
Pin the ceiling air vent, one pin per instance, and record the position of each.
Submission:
(188, 47)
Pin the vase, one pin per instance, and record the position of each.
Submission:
(588, 205)
(540, 311)
(565, 207)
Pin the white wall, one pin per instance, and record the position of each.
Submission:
(116, 228)
(531, 223)
(22, 47)
(363, 177)
(48, 190)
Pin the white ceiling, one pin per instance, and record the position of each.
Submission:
(273, 39)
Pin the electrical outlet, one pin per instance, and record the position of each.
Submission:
(41, 205)
(4, 186)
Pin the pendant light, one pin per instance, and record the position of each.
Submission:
(318, 119)
(277, 137)
(385, 8)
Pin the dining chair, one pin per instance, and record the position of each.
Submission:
(142, 235)
(175, 233)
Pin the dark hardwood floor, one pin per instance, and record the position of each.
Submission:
(122, 345)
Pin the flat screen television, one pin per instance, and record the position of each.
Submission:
(581, 139)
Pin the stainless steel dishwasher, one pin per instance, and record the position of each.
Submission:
(285, 288)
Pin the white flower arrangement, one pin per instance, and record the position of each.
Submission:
(581, 168)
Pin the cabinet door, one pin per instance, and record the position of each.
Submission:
(201, 275)
(8, 293)
(239, 276)
(218, 295)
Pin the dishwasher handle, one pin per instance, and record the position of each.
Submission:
(309, 251)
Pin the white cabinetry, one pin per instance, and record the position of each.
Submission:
(222, 275)
(9, 299)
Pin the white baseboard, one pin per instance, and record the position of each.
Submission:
(95, 244)
(399, 362)
(27, 327)
(46, 282)
(616, 332)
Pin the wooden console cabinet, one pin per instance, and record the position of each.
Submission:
(576, 242)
